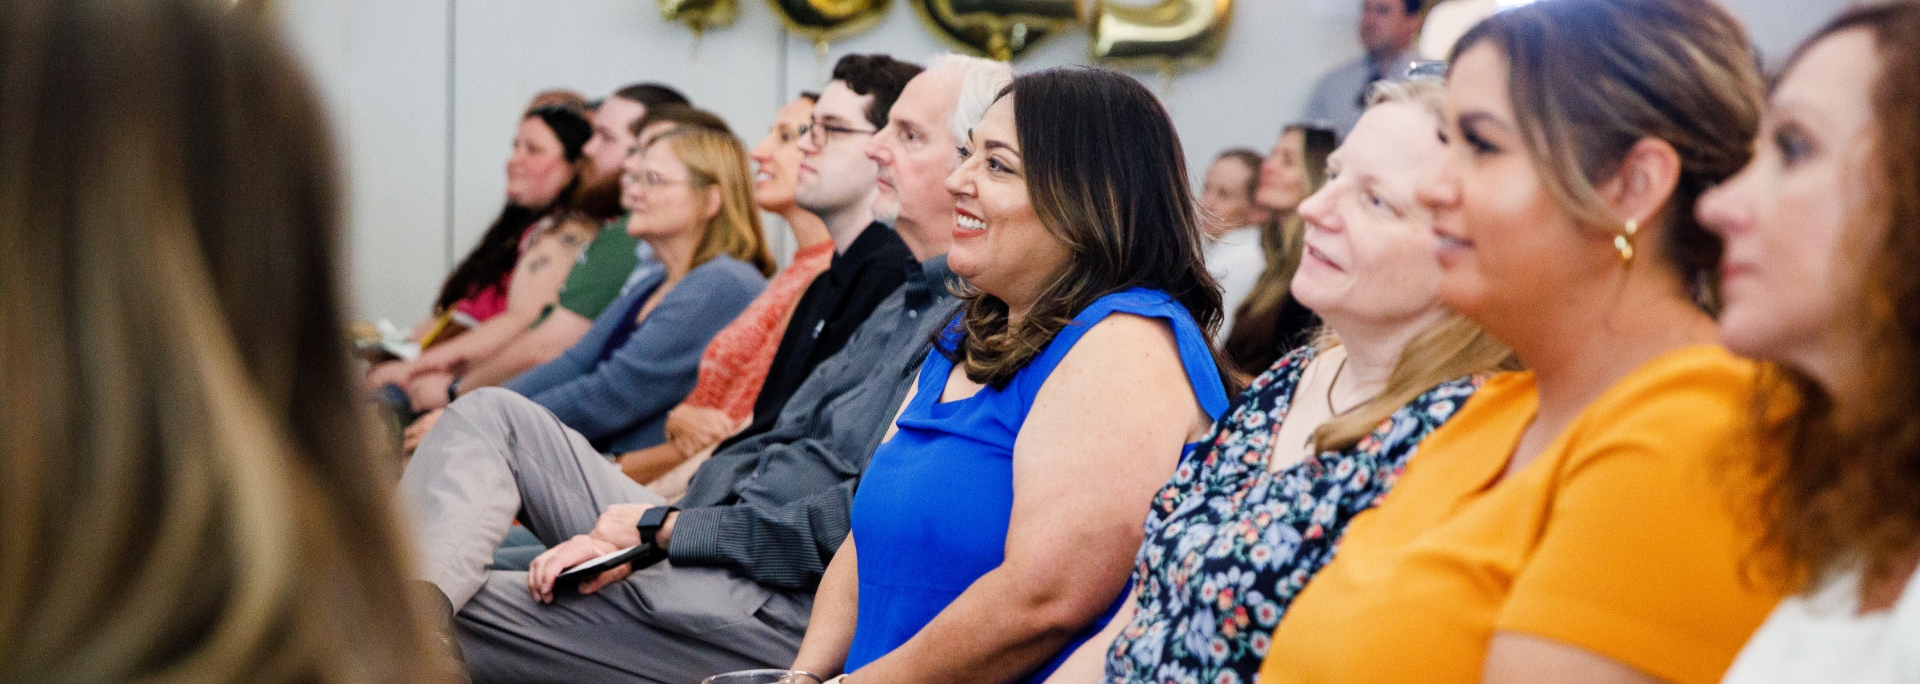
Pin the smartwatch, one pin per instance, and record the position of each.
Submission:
(651, 520)
(453, 389)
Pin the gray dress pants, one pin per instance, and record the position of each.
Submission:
(496, 455)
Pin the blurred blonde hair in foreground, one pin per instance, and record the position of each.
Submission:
(185, 492)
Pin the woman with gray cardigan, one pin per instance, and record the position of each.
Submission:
(691, 199)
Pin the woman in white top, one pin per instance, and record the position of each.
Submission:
(1822, 237)
(1232, 224)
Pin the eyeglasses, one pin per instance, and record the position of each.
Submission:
(651, 180)
(822, 133)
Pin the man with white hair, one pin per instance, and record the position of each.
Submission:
(760, 520)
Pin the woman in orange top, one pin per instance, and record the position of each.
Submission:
(1569, 524)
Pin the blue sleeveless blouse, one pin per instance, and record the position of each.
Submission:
(932, 511)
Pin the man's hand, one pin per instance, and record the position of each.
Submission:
(419, 429)
(580, 549)
(619, 526)
(428, 390)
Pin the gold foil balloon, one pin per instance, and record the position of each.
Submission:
(1001, 29)
(699, 15)
(1164, 33)
(829, 20)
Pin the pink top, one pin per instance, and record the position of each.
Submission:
(492, 299)
(736, 361)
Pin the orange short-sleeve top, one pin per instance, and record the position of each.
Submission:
(1622, 539)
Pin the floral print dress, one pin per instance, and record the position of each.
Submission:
(1229, 544)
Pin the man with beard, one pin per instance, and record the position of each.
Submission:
(595, 281)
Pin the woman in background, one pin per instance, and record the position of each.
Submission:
(1269, 322)
(543, 172)
(1823, 231)
(1232, 223)
(692, 201)
(188, 493)
(735, 363)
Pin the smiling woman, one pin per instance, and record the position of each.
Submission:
(994, 527)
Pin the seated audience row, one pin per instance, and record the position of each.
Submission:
(1512, 449)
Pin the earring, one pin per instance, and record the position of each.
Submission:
(1623, 242)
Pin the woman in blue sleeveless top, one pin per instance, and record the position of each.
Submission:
(995, 528)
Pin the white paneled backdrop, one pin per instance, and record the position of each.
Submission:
(424, 94)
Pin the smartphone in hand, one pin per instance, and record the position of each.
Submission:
(641, 557)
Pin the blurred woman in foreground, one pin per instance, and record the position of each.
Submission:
(187, 495)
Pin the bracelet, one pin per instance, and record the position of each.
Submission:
(808, 675)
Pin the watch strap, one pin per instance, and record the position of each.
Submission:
(651, 520)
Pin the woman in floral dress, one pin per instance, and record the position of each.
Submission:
(1251, 515)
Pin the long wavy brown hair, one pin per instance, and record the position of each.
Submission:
(1107, 177)
(186, 493)
(1846, 493)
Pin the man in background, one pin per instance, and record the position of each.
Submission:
(1387, 29)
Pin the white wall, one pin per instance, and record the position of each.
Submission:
(425, 128)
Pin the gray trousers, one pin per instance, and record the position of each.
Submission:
(496, 455)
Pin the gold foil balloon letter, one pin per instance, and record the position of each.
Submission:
(1001, 29)
(1164, 32)
(829, 20)
(699, 15)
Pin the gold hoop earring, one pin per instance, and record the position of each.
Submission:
(1623, 243)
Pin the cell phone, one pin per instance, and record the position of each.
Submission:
(640, 557)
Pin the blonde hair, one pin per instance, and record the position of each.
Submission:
(189, 496)
(716, 158)
(1451, 349)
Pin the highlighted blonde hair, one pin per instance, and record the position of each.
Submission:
(715, 158)
(188, 494)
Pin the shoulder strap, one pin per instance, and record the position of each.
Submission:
(1203, 375)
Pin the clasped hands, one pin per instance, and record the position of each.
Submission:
(615, 530)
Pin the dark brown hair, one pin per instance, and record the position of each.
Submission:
(1106, 176)
(881, 76)
(1845, 493)
(188, 493)
(492, 259)
(1590, 79)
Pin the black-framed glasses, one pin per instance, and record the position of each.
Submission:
(822, 133)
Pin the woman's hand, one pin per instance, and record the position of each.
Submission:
(388, 373)
(428, 391)
(692, 429)
(439, 359)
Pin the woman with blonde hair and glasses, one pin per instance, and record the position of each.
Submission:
(1574, 522)
(692, 201)
(188, 495)
(1252, 514)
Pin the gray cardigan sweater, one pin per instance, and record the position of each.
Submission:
(617, 393)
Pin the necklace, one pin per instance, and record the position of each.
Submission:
(1331, 411)
(1335, 381)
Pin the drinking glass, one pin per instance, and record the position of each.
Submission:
(762, 677)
